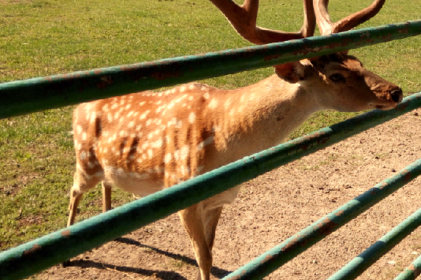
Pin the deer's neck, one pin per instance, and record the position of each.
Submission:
(257, 117)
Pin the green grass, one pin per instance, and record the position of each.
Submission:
(40, 38)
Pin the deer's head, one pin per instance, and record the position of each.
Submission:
(338, 81)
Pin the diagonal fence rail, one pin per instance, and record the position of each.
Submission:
(56, 91)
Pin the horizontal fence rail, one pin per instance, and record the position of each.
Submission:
(301, 241)
(39, 254)
(27, 96)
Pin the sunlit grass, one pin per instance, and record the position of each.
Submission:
(46, 37)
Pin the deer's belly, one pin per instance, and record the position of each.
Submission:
(137, 183)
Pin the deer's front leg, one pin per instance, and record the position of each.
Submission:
(191, 219)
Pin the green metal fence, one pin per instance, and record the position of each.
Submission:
(32, 95)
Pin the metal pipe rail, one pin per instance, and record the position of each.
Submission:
(412, 271)
(28, 96)
(301, 241)
(39, 254)
(359, 264)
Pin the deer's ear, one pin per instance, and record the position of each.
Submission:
(291, 72)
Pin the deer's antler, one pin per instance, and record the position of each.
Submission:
(243, 19)
(326, 26)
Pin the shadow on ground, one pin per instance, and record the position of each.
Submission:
(217, 272)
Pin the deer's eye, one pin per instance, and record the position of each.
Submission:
(337, 78)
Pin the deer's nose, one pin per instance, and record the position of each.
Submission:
(396, 95)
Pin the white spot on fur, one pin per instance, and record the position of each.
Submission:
(79, 129)
(143, 116)
(206, 142)
(213, 103)
(227, 104)
(173, 121)
(145, 145)
(167, 158)
(184, 152)
(157, 144)
(183, 170)
(192, 117)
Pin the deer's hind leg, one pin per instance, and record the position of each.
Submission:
(82, 182)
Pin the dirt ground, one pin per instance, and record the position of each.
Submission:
(278, 204)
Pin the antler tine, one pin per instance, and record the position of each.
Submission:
(243, 19)
(327, 27)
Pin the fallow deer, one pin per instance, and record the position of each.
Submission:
(145, 142)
